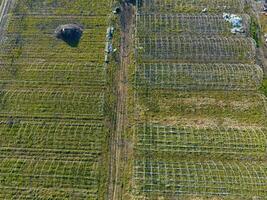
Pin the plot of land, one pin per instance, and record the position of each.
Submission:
(54, 137)
(198, 120)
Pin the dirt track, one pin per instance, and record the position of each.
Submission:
(126, 19)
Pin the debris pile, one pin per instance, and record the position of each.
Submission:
(236, 22)
(70, 33)
(110, 32)
(109, 48)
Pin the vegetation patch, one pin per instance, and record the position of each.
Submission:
(264, 86)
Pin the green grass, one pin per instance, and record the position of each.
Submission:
(255, 31)
(236, 109)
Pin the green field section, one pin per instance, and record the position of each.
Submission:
(53, 128)
(237, 109)
(164, 142)
(52, 103)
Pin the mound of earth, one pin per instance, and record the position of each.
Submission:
(70, 33)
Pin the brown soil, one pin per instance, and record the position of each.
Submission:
(119, 150)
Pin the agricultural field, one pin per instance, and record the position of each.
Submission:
(199, 120)
(176, 111)
(53, 120)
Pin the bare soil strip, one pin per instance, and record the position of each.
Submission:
(126, 19)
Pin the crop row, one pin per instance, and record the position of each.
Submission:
(79, 137)
(63, 7)
(189, 6)
(29, 193)
(51, 103)
(44, 141)
(154, 140)
(196, 49)
(49, 173)
(199, 76)
(192, 178)
(175, 24)
(72, 74)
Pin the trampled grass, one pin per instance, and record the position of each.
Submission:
(202, 108)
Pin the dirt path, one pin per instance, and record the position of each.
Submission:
(4, 10)
(257, 9)
(126, 19)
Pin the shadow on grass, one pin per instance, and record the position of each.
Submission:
(70, 33)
